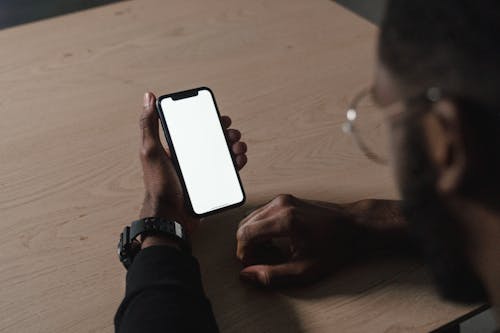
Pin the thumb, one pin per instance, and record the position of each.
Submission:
(149, 123)
(290, 273)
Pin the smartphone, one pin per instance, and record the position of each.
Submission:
(200, 151)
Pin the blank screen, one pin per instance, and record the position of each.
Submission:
(202, 152)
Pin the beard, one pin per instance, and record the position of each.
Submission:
(435, 228)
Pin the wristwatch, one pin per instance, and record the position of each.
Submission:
(129, 246)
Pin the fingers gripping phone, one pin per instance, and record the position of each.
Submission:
(200, 151)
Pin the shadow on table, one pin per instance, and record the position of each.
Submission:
(365, 277)
(240, 307)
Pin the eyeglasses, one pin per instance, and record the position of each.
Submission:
(371, 131)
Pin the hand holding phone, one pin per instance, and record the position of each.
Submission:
(200, 152)
(164, 194)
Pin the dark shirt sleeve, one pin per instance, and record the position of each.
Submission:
(164, 294)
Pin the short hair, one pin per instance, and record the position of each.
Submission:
(450, 44)
(453, 45)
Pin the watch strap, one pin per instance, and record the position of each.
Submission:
(129, 246)
(157, 224)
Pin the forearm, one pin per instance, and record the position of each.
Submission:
(164, 294)
(378, 214)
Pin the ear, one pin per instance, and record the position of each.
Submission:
(442, 128)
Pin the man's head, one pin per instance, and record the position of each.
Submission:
(445, 147)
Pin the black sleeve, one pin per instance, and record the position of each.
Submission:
(164, 294)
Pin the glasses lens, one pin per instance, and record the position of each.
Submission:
(370, 128)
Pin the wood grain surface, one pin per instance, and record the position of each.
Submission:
(284, 70)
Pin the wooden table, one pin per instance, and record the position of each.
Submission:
(71, 90)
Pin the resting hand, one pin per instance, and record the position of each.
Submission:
(321, 236)
(311, 230)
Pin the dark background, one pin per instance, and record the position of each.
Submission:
(14, 12)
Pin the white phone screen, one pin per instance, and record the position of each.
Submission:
(204, 159)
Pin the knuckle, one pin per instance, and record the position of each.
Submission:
(242, 234)
(241, 224)
(288, 219)
(145, 119)
(148, 110)
(288, 215)
(148, 152)
(284, 199)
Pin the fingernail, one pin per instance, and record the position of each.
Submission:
(147, 99)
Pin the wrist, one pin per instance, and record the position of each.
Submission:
(359, 212)
(381, 223)
(159, 240)
(375, 214)
(153, 207)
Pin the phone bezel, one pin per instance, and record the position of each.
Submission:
(182, 95)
